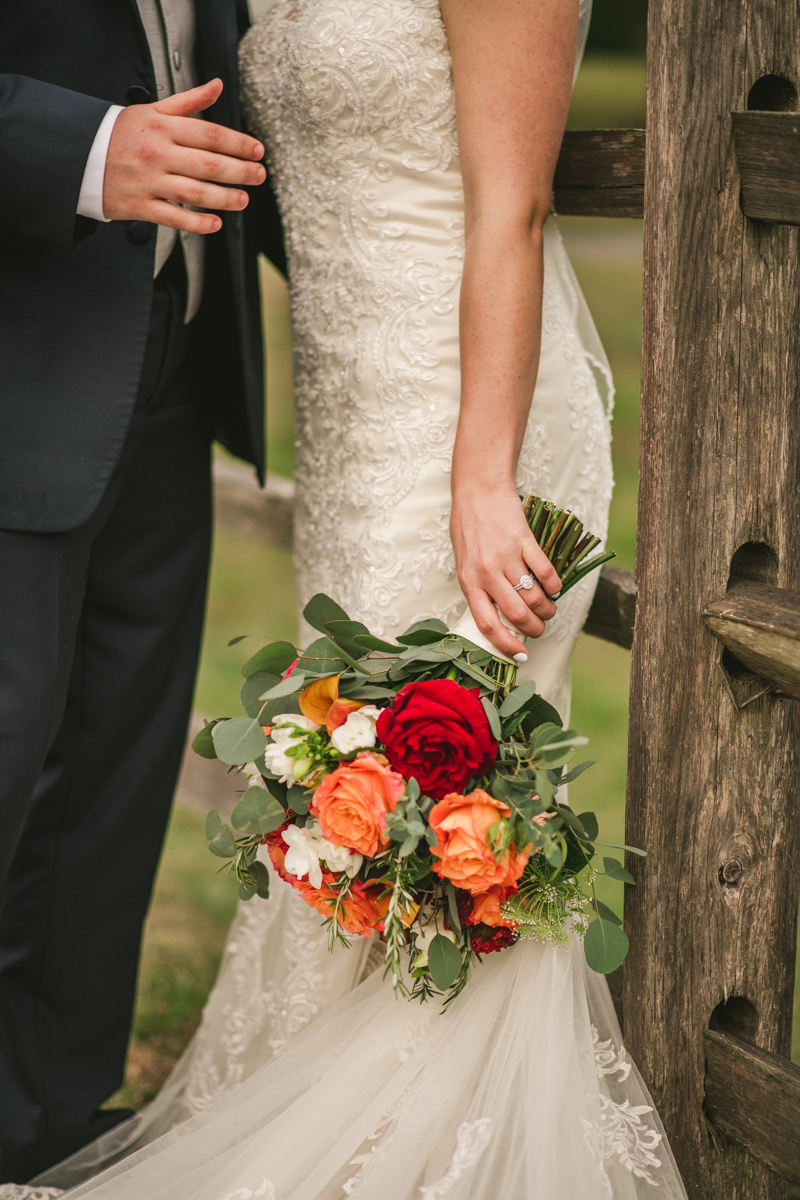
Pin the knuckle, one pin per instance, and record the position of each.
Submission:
(485, 624)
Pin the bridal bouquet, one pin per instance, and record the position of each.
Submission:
(411, 788)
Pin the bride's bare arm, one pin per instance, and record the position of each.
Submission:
(512, 67)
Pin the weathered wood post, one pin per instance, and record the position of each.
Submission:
(712, 786)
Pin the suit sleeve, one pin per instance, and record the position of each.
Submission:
(46, 133)
(267, 225)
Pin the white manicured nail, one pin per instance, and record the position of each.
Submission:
(521, 657)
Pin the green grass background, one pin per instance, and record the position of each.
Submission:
(252, 591)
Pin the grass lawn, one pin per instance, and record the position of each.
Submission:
(252, 591)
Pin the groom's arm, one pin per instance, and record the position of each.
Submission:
(46, 134)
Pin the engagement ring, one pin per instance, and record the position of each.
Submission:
(525, 582)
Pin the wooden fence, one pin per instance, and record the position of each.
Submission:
(714, 624)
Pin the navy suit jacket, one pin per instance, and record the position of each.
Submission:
(75, 294)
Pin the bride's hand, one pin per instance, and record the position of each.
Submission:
(494, 547)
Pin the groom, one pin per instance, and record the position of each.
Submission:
(129, 338)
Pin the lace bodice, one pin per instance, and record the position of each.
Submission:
(354, 100)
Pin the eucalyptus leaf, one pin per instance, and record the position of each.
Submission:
(452, 908)
(241, 638)
(261, 874)
(615, 870)
(258, 812)
(589, 822)
(203, 743)
(469, 669)
(605, 946)
(539, 712)
(605, 912)
(252, 690)
(572, 822)
(290, 686)
(239, 740)
(576, 771)
(219, 836)
(343, 632)
(321, 609)
(516, 698)
(544, 787)
(545, 734)
(275, 659)
(616, 846)
(554, 852)
(444, 962)
(417, 634)
(494, 718)
(277, 708)
(367, 691)
(368, 642)
(579, 855)
(322, 658)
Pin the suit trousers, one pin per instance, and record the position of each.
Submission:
(99, 641)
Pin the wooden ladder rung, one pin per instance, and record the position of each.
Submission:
(753, 1098)
(760, 625)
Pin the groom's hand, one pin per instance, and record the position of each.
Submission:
(160, 157)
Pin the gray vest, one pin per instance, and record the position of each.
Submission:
(170, 29)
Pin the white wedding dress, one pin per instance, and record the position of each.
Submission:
(308, 1079)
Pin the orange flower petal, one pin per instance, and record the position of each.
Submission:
(316, 700)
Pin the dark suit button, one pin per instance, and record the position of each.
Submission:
(138, 94)
(140, 232)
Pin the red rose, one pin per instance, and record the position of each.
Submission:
(438, 732)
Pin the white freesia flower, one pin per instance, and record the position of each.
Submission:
(253, 776)
(358, 731)
(285, 733)
(307, 848)
(302, 855)
(339, 858)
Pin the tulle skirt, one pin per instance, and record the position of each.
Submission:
(521, 1090)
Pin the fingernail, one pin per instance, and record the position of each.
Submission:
(258, 151)
(555, 595)
(521, 657)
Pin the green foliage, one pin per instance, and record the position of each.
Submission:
(517, 698)
(605, 945)
(274, 659)
(252, 691)
(254, 882)
(444, 962)
(258, 812)
(219, 836)
(203, 743)
(321, 609)
(239, 740)
(615, 871)
(493, 717)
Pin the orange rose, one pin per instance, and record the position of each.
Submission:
(359, 913)
(486, 909)
(352, 802)
(462, 825)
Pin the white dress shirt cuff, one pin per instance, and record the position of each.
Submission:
(90, 200)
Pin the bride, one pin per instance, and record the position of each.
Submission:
(412, 145)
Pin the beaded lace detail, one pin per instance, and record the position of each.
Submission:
(354, 100)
